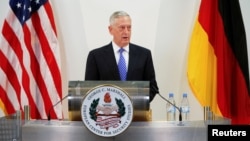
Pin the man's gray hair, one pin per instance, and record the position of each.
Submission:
(117, 14)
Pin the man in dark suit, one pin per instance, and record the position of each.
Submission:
(102, 63)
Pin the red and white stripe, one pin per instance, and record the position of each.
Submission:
(30, 71)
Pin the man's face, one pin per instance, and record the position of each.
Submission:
(121, 31)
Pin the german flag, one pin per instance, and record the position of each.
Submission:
(217, 68)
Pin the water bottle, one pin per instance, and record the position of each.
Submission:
(185, 109)
(171, 110)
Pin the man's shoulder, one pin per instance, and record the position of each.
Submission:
(138, 47)
(102, 48)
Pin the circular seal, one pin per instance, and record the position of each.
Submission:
(107, 110)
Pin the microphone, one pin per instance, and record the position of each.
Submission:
(55, 105)
(77, 84)
(179, 109)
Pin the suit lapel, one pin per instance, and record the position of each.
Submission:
(132, 60)
(111, 61)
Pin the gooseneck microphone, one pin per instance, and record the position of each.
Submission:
(55, 105)
(179, 109)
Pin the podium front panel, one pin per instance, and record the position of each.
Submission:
(138, 91)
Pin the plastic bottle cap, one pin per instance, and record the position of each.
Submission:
(184, 94)
(171, 95)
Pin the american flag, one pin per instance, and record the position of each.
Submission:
(30, 71)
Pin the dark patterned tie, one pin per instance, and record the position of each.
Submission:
(122, 66)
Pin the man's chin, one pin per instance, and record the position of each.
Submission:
(125, 42)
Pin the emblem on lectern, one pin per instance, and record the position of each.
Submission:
(107, 110)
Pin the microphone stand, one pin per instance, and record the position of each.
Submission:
(77, 84)
(55, 105)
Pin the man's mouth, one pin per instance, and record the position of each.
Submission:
(125, 38)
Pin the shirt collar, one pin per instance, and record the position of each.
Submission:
(116, 47)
